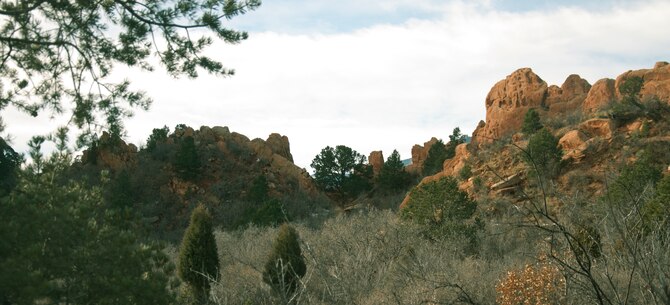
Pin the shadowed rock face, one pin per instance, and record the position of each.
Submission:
(279, 145)
(419, 155)
(600, 95)
(656, 81)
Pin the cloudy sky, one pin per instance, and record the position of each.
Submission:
(384, 75)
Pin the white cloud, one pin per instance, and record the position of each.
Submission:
(391, 86)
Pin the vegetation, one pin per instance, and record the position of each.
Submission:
(198, 256)
(187, 163)
(439, 152)
(342, 171)
(286, 265)
(443, 211)
(393, 177)
(52, 228)
(531, 122)
(435, 158)
(46, 43)
(542, 154)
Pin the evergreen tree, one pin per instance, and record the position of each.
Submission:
(198, 256)
(436, 156)
(61, 246)
(9, 166)
(393, 176)
(455, 139)
(286, 265)
(188, 161)
(531, 122)
(158, 136)
(543, 155)
(342, 171)
(64, 44)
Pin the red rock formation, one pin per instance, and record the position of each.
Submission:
(573, 144)
(376, 160)
(601, 94)
(568, 97)
(656, 81)
(508, 101)
(280, 145)
(419, 155)
(113, 154)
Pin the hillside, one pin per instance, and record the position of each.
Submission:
(598, 132)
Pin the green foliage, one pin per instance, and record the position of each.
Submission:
(531, 122)
(9, 166)
(435, 158)
(393, 176)
(259, 190)
(187, 163)
(455, 139)
(631, 86)
(443, 211)
(466, 172)
(634, 180)
(655, 211)
(158, 135)
(542, 154)
(56, 51)
(286, 265)
(342, 171)
(60, 245)
(198, 256)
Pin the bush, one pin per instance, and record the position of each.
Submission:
(540, 284)
(286, 265)
(435, 159)
(443, 211)
(198, 255)
(187, 163)
(466, 172)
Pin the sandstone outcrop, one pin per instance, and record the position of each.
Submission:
(574, 145)
(279, 145)
(419, 155)
(569, 97)
(508, 101)
(601, 94)
(597, 128)
(376, 160)
(113, 154)
(451, 167)
(656, 81)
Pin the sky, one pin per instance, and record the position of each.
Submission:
(385, 75)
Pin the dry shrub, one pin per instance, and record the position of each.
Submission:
(534, 284)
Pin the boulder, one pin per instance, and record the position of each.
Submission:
(508, 101)
(574, 145)
(509, 182)
(279, 145)
(597, 128)
(376, 160)
(601, 94)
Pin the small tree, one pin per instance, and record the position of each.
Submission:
(436, 156)
(198, 256)
(188, 161)
(286, 265)
(531, 122)
(455, 139)
(543, 154)
(158, 135)
(393, 176)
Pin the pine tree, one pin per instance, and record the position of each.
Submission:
(286, 264)
(393, 176)
(436, 156)
(198, 256)
(531, 122)
(542, 154)
(188, 161)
